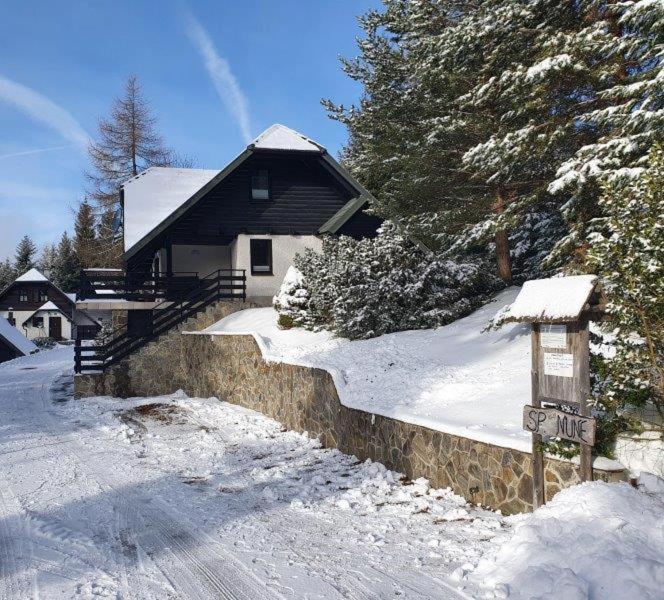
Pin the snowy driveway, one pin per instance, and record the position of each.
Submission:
(194, 498)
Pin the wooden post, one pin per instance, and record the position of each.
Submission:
(580, 344)
(537, 455)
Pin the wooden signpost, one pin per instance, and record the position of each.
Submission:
(558, 310)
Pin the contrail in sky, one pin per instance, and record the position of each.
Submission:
(222, 77)
(35, 151)
(42, 110)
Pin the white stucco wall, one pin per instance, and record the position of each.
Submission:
(200, 259)
(36, 332)
(284, 249)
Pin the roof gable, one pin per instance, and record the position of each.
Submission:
(32, 275)
(280, 137)
(157, 206)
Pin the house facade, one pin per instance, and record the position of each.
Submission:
(37, 308)
(277, 198)
(195, 237)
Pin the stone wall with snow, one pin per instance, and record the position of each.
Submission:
(303, 398)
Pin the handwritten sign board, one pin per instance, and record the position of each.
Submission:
(558, 364)
(553, 336)
(556, 423)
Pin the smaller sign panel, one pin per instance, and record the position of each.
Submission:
(556, 423)
(559, 364)
(553, 336)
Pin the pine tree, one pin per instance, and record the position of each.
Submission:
(110, 244)
(627, 252)
(67, 269)
(7, 273)
(48, 260)
(24, 259)
(470, 109)
(128, 143)
(85, 236)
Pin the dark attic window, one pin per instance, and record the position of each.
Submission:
(260, 185)
(261, 257)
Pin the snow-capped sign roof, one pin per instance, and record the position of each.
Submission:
(31, 276)
(559, 299)
(156, 193)
(280, 137)
(15, 338)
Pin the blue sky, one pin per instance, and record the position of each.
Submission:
(61, 64)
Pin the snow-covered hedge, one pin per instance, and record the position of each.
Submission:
(366, 288)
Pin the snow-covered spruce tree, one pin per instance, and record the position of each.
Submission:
(85, 236)
(24, 259)
(7, 273)
(625, 114)
(470, 109)
(365, 288)
(292, 302)
(67, 270)
(627, 252)
(48, 260)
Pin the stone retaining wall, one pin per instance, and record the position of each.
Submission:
(305, 399)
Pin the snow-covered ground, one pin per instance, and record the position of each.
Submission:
(177, 497)
(196, 498)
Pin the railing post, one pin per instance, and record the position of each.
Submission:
(77, 355)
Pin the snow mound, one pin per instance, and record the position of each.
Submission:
(594, 540)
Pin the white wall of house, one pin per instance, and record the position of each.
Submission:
(200, 259)
(284, 249)
(24, 323)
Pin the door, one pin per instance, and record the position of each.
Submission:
(55, 328)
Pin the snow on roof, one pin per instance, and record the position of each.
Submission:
(555, 299)
(32, 275)
(48, 306)
(280, 137)
(14, 337)
(153, 195)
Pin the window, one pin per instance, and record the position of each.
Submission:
(261, 257)
(38, 322)
(260, 185)
(43, 296)
(23, 295)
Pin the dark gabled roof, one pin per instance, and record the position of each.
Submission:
(276, 138)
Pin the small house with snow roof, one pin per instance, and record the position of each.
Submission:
(37, 308)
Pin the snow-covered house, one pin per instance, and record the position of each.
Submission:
(12, 343)
(37, 308)
(233, 232)
(273, 200)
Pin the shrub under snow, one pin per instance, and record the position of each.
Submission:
(366, 288)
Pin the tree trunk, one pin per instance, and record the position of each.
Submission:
(502, 243)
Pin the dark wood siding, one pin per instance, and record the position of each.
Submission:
(304, 194)
(302, 197)
(11, 297)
